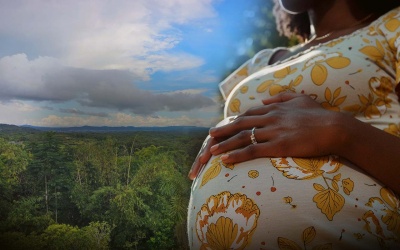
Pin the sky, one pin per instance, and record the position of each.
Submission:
(118, 63)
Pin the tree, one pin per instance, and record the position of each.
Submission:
(49, 175)
(13, 161)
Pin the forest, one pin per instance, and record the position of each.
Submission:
(120, 190)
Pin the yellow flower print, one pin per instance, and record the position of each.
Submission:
(235, 105)
(334, 42)
(282, 73)
(222, 234)
(385, 210)
(392, 25)
(229, 165)
(348, 186)
(365, 40)
(276, 88)
(372, 31)
(328, 199)
(376, 53)
(381, 87)
(308, 236)
(390, 16)
(306, 168)
(333, 100)
(217, 231)
(319, 72)
(370, 110)
(214, 170)
(358, 236)
(243, 72)
(264, 86)
(377, 102)
(244, 89)
(393, 129)
(289, 200)
(371, 107)
(253, 174)
(392, 45)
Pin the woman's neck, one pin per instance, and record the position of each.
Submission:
(335, 16)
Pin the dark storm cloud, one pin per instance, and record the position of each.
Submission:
(84, 113)
(111, 89)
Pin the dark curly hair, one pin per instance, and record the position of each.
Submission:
(298, 25)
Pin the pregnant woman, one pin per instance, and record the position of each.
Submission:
(308, 155)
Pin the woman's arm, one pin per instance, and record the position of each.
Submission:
(295, 125)
(374, 150)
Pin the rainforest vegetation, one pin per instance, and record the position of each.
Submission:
(95, 190)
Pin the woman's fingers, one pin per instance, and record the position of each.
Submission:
(250, 152)
(241, 140)
(241, 123)
(256, 116)
(282, 97)
(202, 158)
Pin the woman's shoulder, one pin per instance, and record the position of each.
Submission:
(388, 22)
(266, 57)
(394, 13)
(254, 64)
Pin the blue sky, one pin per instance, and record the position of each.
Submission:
(118, 63)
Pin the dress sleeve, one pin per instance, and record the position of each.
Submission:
(233, 79)
(260, 60)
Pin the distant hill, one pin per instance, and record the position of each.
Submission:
(105, 129)
(7, 128)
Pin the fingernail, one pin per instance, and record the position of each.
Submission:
(215, 147)
(212, 130)
(224, 157)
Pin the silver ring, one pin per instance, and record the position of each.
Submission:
(253, 137)
(233, 118)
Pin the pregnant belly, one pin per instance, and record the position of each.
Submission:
(273, 203)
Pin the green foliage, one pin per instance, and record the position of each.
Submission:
(27, 215)
(13, 160)
(60, 237)
(96, 191)
(21, 241)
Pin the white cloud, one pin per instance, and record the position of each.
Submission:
(100, 34)
(43, 79)
(17, 112)
(91, 52)
(23, 79)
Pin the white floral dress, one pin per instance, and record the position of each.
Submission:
(307, 203)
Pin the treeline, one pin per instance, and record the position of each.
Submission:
(95, 191)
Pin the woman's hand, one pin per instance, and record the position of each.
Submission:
(204, 154)
(202, 158)
(287, 124)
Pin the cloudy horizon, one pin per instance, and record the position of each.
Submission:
(119, 63)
